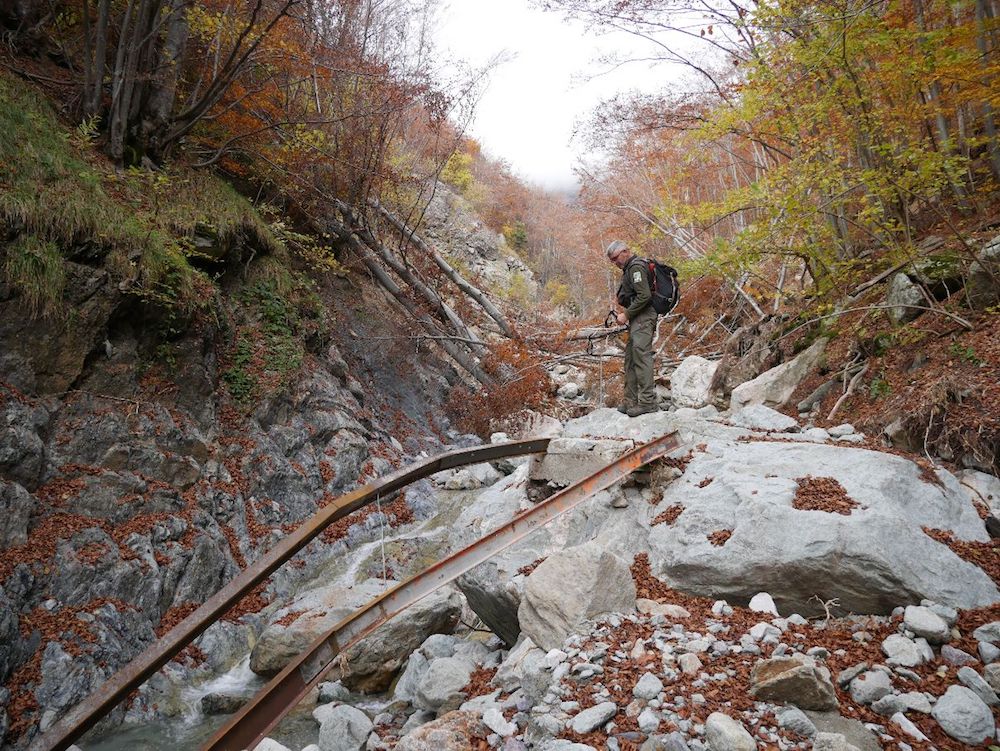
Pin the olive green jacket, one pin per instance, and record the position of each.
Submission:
(634, 294)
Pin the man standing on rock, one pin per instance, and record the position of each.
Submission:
(635, 296)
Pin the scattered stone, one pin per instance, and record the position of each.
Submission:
(903, 723)
(871, 686)
(723, 733)
(988, 653)
(759, 417)
(762, 602)
(594, 717)
(902, 651)
(848, 675)
(454, 731)
(988, 632)
(832, 742)
(649, 721)
(345, 728)
(964, 716)
(691, 382)
(443, 682)
(568, 391)
(270, 745)
(796, 721)
(217, 703)
(689, 663)
(839, 431)
(651, 607)
(648, 687)
(794, 680)
(926, 623)
(954, 656)
(992, 675)
(493, 719)
(974, 682)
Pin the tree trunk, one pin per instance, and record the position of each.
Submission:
(447, 268)
(404, 273)
(462, 358)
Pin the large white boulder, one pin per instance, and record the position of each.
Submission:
(571, 586)
(774, 387)
(871, 560)
(690, 384)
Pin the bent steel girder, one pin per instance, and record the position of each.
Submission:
(253, 722)
(89, 712)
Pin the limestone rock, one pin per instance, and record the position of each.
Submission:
(964, 716)
(594, 717)
(760, 417)
(454, 731)
(774, 387)
(868, 559)
(870, 686)
(793, 680)
(443, 682)
(926, 623)
(690, 384)
(571, 586)
(832, 742)
(902, 294)
(723, 733)
(983, 288)
(345, 728)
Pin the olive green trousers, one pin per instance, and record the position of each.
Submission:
(639, 359)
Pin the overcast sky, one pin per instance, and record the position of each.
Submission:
(529, 110)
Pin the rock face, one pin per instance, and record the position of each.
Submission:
(691, 383)
(568, 588)
(774, 387)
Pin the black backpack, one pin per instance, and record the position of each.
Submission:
(664, 286)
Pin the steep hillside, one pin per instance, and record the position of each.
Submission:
(183, 379)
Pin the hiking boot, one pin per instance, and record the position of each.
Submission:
(642, 409)
(624, 408)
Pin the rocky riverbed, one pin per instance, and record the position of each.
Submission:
(769, 586)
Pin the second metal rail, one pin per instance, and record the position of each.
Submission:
(255, 720)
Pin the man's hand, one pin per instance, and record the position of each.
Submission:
(622, 319)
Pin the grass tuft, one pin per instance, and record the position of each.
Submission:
(34, 267)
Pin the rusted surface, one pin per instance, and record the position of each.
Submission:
(89, 712)
(253, 722)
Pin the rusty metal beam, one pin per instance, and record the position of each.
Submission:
(89, 712)
(256, 719)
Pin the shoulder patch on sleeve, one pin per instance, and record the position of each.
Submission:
(636, 276)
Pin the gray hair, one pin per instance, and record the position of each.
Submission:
(615, 247)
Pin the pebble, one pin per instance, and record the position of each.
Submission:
(689, 663)
(988, 653)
